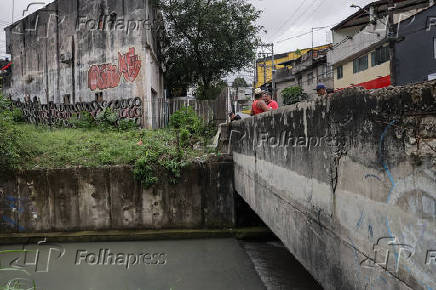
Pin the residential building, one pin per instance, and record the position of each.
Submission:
(264, 65)
(415, 48)
(361, 54)
(82, 51)
(306, 72)
(240, 98)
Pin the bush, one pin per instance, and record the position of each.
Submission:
(157, 161)
(189, 126)
(82, 120)
(127, 124)
(11, 146)
(106, 119)
(293, 95)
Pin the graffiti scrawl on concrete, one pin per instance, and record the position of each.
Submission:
(108, 76)
(51, 113)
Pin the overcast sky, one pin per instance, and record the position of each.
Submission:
(284, 20)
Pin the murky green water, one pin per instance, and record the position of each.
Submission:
(221, 264)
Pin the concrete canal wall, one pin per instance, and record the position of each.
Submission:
(348, 183)
(82, 199)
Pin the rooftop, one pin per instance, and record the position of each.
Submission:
(362, 17)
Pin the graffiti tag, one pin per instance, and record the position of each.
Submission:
(108, 76)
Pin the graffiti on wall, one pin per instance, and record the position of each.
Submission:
(108, 76)
(49, 114)
(12, 208)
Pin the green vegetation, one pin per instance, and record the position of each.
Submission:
(94, 143)
(293, 95)
(107, 119)
(239, 82)
(11, 148)
(88, 147)
(205, 40)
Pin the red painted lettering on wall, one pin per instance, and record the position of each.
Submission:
(129, 64)
(103, 77)
(108, 75)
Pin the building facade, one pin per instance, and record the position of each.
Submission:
(361, 54)
(76, 51)
(415, 49)
(264, 65)
(306, 72)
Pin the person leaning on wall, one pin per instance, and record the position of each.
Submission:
(259, 106)
(269, 101)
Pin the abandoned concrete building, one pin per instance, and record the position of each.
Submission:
(91, 53)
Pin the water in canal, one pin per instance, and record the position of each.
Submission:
(221, 264)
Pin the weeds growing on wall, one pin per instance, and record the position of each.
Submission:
(168, 161)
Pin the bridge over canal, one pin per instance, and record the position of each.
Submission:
(348, 183)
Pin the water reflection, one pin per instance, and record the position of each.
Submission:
(277, 268)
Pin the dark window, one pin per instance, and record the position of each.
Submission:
(380, 55)
(434, 47)
(360, 64)
(310, 78)
(99, 97)
(67, 99)
(340, 72)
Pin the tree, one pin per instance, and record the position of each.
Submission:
(212, 92)
(206, 39)
(239, 83)
(293, 95)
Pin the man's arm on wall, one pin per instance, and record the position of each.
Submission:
(262, 105)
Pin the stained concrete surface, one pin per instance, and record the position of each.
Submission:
(109, 198)
(179, 264)
(347, 182)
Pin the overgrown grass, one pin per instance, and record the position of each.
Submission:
(66, 147)
(151, 152)
(104, 141)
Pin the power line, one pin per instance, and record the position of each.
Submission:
(287, 20)
(311, 7)
(296, 36)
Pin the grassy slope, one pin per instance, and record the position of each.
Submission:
(60, 148)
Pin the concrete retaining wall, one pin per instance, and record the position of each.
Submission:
(63, 200)
(347, 181)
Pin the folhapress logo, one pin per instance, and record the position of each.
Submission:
(104, 257)
(38, 257)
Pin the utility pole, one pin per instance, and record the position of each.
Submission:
(391, 38)
(255, 73)
(273, 69)
(13, 8)
(312, 40)
(266, 55)
(264, 71)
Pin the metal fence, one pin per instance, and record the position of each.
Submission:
(209, 110)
